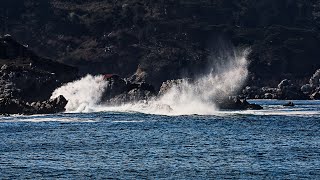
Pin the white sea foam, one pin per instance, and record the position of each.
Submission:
(187, 98)
(83, 95)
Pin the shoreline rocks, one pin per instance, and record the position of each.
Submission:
(16, 106)
(235, 103)
(27, 80)
(120, 91)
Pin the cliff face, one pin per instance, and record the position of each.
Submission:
(26, 76)
(169, 39)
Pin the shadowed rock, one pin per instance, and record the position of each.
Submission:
(15, 106)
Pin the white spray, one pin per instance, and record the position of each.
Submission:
(186, 98)
(83, 95)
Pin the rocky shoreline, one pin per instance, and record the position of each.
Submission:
(18, 106)
(27, 82)
(286, 90)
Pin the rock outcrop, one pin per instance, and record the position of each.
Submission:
(235, 103)
(285, 90)
(120, 91)
(312, 89)
(17, 106)
(27, 80)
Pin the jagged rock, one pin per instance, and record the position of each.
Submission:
(284, 83)
(312, 89)
(315, 95)
(307, 89)
(268, 96)
(15, 106)
(315, 79)
(28, 77)
(167, 85)
(237, 104)
(121, 91)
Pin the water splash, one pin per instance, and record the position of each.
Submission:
(225, 77)
(199, 97)
(83, 95)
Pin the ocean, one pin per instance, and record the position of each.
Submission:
(275, 143)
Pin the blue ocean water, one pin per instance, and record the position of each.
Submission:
(274, 143)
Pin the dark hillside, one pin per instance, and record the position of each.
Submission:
(168, 39)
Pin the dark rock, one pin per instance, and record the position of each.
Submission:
(25, 76)
(284, 84)
(15, 106)
(312, 89)
(120, 91)
(307, 89)
(268, 96)
(170, 39)
(235, 103)
(290, 104)
(315, 79)
(315, 95)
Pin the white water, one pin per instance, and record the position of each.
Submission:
(184, 99)
(83, 95)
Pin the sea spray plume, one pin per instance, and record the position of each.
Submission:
(200, 96)
(187, 97)
(82, 94)
(184, 98)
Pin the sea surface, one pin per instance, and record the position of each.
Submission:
(275, 143)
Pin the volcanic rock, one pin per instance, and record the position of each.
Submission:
(120, 91)
(234, 103)
(25, 76)
(290, 104)
(170, 39)
(315, 95)
(16, 106)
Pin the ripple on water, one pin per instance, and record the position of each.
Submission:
(276, 144)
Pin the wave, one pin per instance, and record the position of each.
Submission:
(185, 98)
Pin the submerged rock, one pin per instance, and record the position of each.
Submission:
(290, 104)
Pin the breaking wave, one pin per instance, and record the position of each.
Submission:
(197, 97)
(83, 95)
